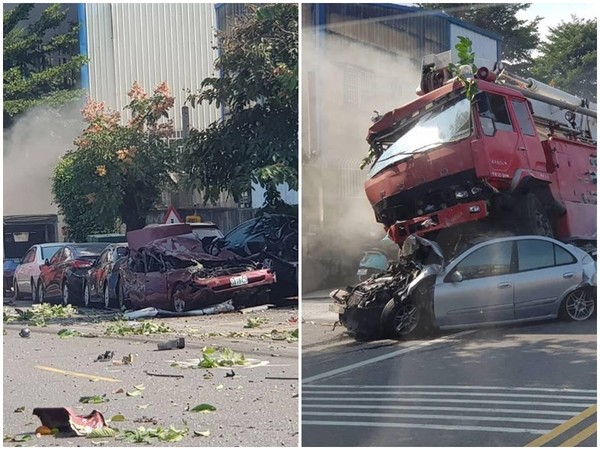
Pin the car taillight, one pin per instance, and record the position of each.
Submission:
(80, 264)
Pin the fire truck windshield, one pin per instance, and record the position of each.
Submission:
(449, 122)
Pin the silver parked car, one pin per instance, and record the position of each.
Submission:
(505, 280)
(27, 273)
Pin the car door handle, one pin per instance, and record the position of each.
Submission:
(504, 285)
(568, 274)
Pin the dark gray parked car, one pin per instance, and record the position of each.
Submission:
(505, 280)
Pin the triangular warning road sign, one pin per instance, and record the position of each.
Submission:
(172, 216)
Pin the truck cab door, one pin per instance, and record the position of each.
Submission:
(498, 142)
(529, 144)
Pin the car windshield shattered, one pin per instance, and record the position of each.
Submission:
(448, 123)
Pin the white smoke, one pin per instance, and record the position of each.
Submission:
(32, 148)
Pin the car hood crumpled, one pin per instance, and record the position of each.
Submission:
(187, 248)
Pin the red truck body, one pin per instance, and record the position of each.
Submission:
(444, 162)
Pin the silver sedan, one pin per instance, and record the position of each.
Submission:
(505, 280)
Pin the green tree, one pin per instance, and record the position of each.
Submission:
(31, 74)
(520, 37)
(569, 58)
(117, 172)
(257, 139)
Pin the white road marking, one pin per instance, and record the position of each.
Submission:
(443, 408)
(423, 426)
(433, 416)
(402, 351)
(423, 386)
(430, 400)
(453, 394)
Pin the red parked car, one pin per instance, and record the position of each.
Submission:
(169, 268)
(62, 277)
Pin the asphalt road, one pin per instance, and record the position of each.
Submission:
(256, 407)
(506, 386)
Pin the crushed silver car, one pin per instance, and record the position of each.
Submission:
(500, 281)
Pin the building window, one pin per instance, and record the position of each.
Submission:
(358, 85)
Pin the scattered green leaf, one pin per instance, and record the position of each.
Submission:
(204, 408)
(17, 438)
(122, 328)
(255, 322)
(93, 399)
(117, 418)
(102, 432)
(67, 333)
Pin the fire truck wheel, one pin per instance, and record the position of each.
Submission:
(533, 218)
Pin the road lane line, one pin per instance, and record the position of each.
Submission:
(403, 351)
(423, 386)
(441, 408)
(580, 437)
(453, 394)
(433, 416)
(427, 426)
(564, 427)
(77, 374)
(430, 400)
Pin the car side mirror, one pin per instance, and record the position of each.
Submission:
(456, 277)
(46, 262)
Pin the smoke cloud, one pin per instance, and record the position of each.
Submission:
(344, 82)
(32, 147)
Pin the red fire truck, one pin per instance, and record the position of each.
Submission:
(518, 157)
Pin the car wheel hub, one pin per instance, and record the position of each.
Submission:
(106, 297)
(579, 307)
(178, 303)
(66, 294)
(86, 295)
(406, 319)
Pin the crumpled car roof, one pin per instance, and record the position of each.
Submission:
(186, 247)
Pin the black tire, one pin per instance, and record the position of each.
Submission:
(34, 292)
(409, 319)
(65, 294)
(121, 303)
(41, 293)
(18, 294)
(106, 296)
(578, 305)
(87, 296)
(532, 217)
(177, 303)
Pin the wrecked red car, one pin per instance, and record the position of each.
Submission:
(167, 267)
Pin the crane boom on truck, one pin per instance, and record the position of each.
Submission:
(517, 158)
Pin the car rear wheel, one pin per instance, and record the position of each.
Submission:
(65, 294)
(106, 296)
(579, 305)
(87, 296)
(177, 300)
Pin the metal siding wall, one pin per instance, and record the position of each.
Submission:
(151, 43)
(485, 48)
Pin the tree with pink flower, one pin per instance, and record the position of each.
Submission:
(117, 172)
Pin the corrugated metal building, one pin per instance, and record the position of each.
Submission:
(151, 43)
(359, 59)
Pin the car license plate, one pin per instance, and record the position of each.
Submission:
(239, 281)
(337, 308)
(362, 271)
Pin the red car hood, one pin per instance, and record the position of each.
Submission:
(187, 248)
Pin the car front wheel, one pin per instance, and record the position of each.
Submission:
(41, 293)
(579, 305)
(34, 293)
(177, 300)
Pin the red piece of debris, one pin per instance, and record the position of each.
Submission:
(67, 420)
